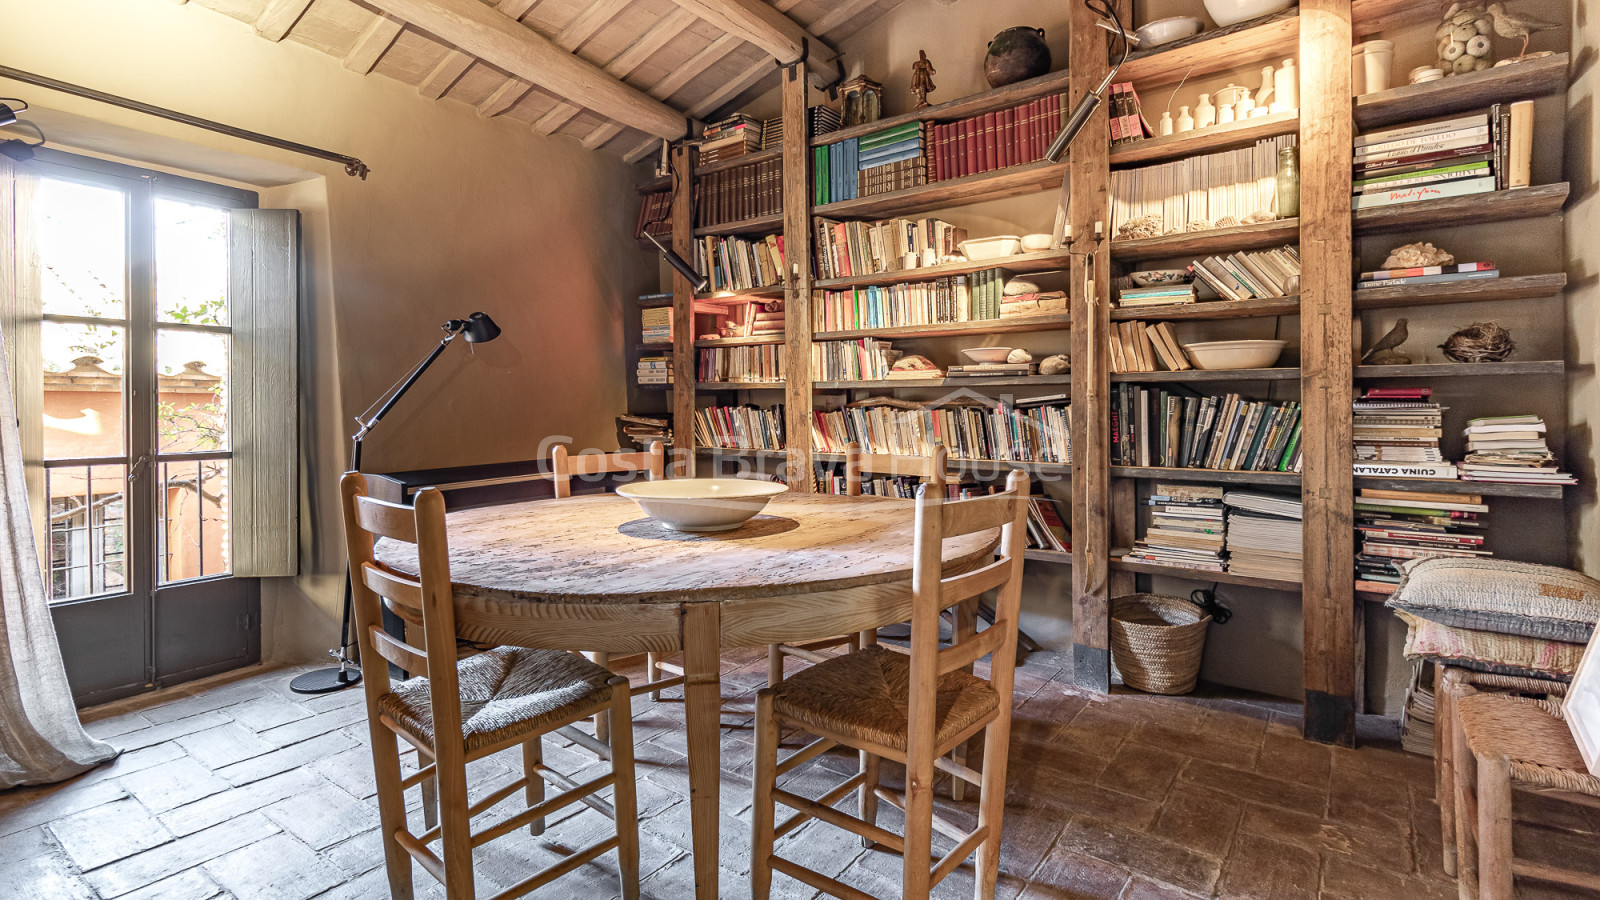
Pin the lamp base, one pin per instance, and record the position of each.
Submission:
(326, 681)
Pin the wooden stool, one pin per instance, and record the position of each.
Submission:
(912, 708)
(1501, 742)
(459, 712)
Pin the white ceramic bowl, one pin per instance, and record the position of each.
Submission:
(1153, 277)
(702, 504)
(1033, 243)
(987, 354)
(1214, 355)
(1001, 245)
(1165, 31)
(1231, 12)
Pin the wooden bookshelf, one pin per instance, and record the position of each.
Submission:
(1455, 486)
(1465, 370)
(1049, 556)
(1520, 287)
(1210, 476)
(1021, 263)
(1052, 322)
(1206, 243)
(1203, 376)
(740, 342)
(1256, 307)
(1205, 140)
(767, 292)
(744, 453)
(1121, 563)
(739, 385)
(1217, 50)
(1016, 181)
(1472, 209)
(756, 225)
(959, 108)
(974, 382)
(1522, 80)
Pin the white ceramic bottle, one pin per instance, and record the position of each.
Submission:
(1205, 115)
(1165, 128)
(1185, 121)
(1286, 82)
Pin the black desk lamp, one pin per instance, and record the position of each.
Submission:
(1091, 100)
(477, 328)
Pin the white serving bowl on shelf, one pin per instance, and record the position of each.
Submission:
(1232, 12)
(1165, 31)
(1218, 355)
(702, 504)
(1033, 243)
(987, 354)
(997, 247)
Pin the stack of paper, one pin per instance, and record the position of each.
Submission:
(1264, 535)
(1510, 448)
(1186, 528)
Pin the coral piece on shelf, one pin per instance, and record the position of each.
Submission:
(1259, 217)
(1225, 222)
(1479, 342)
(1016, 287)
(1142, 227)
(1421, 253)
(1054, 365)
(915, 363)
(1198, 225)
(1019, 355)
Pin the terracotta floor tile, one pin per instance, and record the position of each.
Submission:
(1262, 869)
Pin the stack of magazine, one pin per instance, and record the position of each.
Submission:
(1510, 448)
(1186, 528)
(1264, 535)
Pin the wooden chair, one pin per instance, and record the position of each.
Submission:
(457, 712)
(911, 708)
(651, 460)
(1501, 742)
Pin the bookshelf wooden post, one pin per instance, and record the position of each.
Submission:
(1089, 278)
(683, 354)
(797, 290)
(1327, 373)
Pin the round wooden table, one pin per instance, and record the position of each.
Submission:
(593, 573)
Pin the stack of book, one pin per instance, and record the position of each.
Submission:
(655, 215)
(1397, 433)
(768, 321)
(1186, 528)
(760, 363)
(992, 370)
(1047, 529)
(1031, 303)
(1510, 449)
(1127, 118)
(1397, 526)
(847, 249)
(994, 140)
(1471, 154)
(833, 171)
(732, 137)
(772, 133)
(655, 370)
(656, 325)
(739, 427)
(822, 120)
(642, 430)
(1180, 429)
(891, 160)
(1157, 295)
(1417, 720)
(1243, 275)
(1427, 275)
(742, 192)
(737, 264)
(1034, 430)
(1264, 535)
(1137, 347)
(1196, 193)
(859, 360)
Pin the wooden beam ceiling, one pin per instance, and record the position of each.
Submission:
(373, 43)
(501, 41)
(670, 26)
(772, 31)
(277, 20)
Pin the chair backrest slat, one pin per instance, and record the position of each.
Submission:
(857, 464)
(384, 519)
(970, 651)
(397, 651)
(957, 588)
(400, 591)
(976, 514)
(565, 465)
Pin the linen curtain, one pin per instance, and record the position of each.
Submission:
(41, 739)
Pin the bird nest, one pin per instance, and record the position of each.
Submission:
(1479, 342)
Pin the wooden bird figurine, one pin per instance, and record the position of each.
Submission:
(1380, 353)
(1514, 25)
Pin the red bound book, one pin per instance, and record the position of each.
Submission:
(1052, 117)
(1004, 128)
(1014, 125)
(986, 142)
(935, 154)
(1029, 113)
(942, 146)
(972, 159)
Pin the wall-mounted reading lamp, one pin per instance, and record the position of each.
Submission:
(1091, 100)
(698, 281)
(16, 149)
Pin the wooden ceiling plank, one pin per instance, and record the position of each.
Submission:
(445, 75)
(504, 97)
(589, 22)
(373, 43)
(669, 27)
(501, 41)
(768, 28)
(278, 19)
(839, 15)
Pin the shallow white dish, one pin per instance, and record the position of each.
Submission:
(1152, 277)
(987, 354)
(702, 504)
(995, 247)
(1231, 12)
(1216, 355)
(1164, 31)
(1033, 243)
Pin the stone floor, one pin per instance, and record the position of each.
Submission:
(239, 788)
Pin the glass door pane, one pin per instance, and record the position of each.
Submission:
(84, 369)
(191, 263)
(195, 507)
(191, 386)
(82, 235)
(88, 536)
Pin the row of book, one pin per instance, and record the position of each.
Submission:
(876, 163)
(750, 318)
(654, 370)
(1396, 527)
(1176, 428)
(1474, 271)
(994, 140)
(1138, 346)
(1187, 528)
(1036, 430)
(1248, 274)
(641, 431)
(898, 305)
(739, 427)
(729, 138)
(1265, 535)
(655, 215)
(655, 325)
(1399, 425)
(1454, 157)
(848, 249)
(737, 264)
(1195, 193)
(1128, 123)
(760, 363)
(1047, 527)
(865, 359)
(742, 192)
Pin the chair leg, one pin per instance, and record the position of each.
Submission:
(1494, 829)
(966, 628)
(1443, 751)
(430, 802)
(624, 796)
(391, 808)
(762, 813)
(456, 827)
(917, 875)
(992, 806)
(532, 758)
(1465, 767)
(866, 800)
(868, 638)
(774, 665)
(602, 720)
(652, 670)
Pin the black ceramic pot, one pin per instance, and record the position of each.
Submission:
(1016, 54)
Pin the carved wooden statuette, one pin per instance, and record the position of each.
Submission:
(922, 72)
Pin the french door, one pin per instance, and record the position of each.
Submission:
(136, 444)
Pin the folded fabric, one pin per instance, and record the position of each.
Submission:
(1501, 596)
(1501, 654)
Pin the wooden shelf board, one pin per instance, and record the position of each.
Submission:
(1049, 556)
(1015, 181)
(1205, 140)
(1451, 370)
(739, 386)
(1522, 80)
(741, 342)
(959, 108)
(1454, 486)
(653, 348)
(1217, 240)
(757, 225)
(1042, 261)
(658, 183)
(1521, 287)
(976, 466)
(771, 291)
(1472, 209)
(1052, 322)
(653, 304)
(1007, 381)
(737, 161)
(1198, 375)
(1211, 309)
(732, 452)
(1121, 563)
(1268, 37)
(1280, 479)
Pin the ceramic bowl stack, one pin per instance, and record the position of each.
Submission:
(702, 504)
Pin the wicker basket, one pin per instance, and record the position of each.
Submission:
(1157, 641)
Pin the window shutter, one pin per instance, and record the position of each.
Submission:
(264, 300)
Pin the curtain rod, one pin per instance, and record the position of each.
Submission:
(352, 165)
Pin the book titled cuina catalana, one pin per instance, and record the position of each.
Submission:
(1407, 470)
